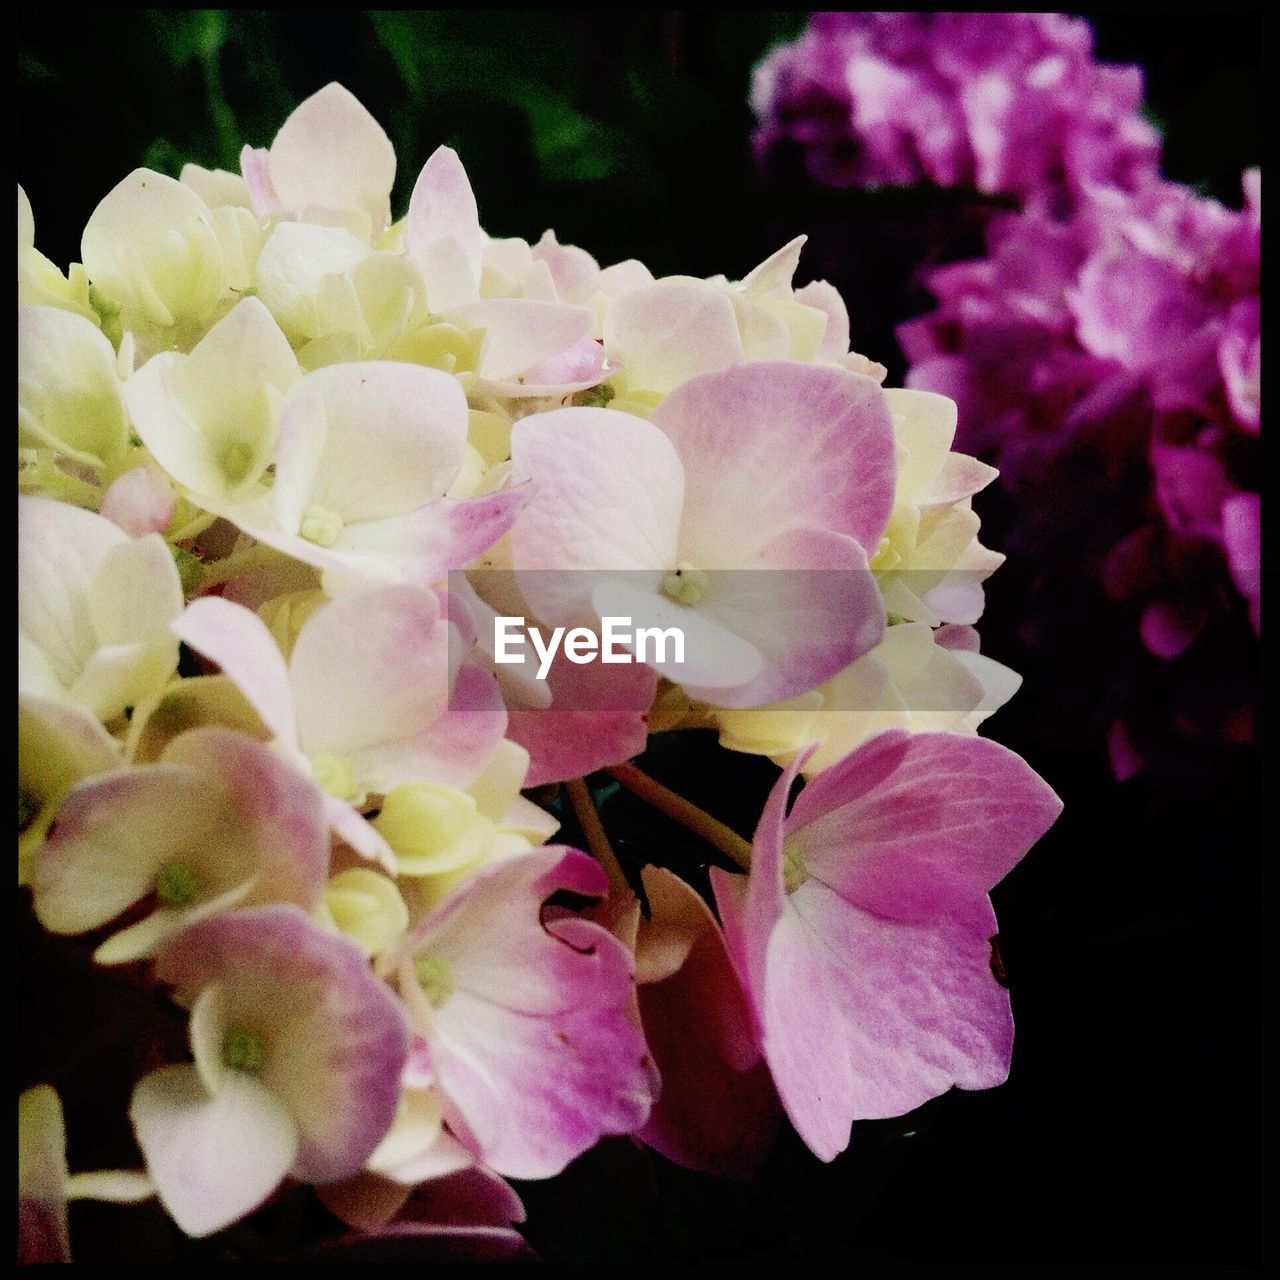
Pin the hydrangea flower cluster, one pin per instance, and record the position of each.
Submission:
(281, 462)
(1109, 340)
(1008, 104)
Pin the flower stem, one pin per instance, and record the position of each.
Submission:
(597, 840)
(238, 562)
(593, 829)
(685, 812)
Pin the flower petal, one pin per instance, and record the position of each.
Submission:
(665, 333)
(213, 1158)
(240, 643)
(772, 446)
(332, 153)
(335, 1038)
(914, 826)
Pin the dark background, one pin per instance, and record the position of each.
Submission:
(1129, 1130)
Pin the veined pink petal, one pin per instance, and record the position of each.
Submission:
(810, 607)
(603, 720)
(607, 490)
(334, 1037)
(912, 826)
(774, 446)
(452, 749)
(920, 1006)
(534, 1051)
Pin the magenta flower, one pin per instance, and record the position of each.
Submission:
(863, 933)
(1125, 335)
(1006, 104)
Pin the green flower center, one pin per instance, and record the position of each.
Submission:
(794, 871)
(321, 526)
(336, 774)
(235, 459)
(685, 583)
(177, 884)
(243, 1050)
(435, 978)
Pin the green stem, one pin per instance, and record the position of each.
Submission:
(232, 566)
(597, 840)
(685, 812)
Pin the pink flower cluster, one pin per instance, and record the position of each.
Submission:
(1131, 329)
(1009, 104)
(1110, 335)
(282, 464)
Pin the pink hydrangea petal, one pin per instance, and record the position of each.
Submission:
(535, 1053)
(574, 271)
(920, 1005)
(443, 205)
(107, 846)
(603, 721)
(772, 446)
(423, 546)
(803, 1039)
(522, 333)
(635, 486)
(213, 1158)
(911, 826)
(576, 368)
(337, 1039)
(257, 181)
(332, 153)
(370, 668)
(240, 643)
(810, 608)
(1240, 359)
(1242, 537)
(140, 501)
(452, 749)
(718, 1110)
(668, 332)
(279, 813)
(835, 337)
